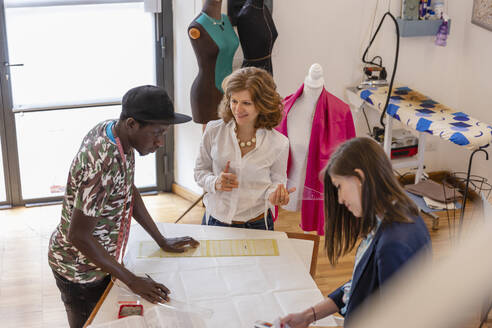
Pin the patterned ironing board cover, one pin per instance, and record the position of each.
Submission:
(426, 115)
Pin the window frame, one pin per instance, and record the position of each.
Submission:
(164, 78)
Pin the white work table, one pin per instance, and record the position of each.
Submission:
(239, 290)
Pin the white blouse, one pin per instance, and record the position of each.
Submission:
(258, 172)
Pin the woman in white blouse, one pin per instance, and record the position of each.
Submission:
(242, 164)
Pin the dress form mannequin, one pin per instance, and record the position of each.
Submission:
(234, 7)
(214, 42)
(299, 124)
(257, 34)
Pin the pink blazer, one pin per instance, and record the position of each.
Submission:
(332, 125)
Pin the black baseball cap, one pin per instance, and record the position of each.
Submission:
(150, 103)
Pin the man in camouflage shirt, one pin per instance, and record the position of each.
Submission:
(100, 200)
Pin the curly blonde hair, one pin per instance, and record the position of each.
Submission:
(263, 92)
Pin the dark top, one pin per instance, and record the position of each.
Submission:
(391, 248)
(257, 34)
(234, 7)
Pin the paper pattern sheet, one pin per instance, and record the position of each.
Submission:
(215, 248)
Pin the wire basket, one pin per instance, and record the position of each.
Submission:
(463, 188)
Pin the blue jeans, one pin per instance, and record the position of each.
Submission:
(259, 225)
(80, 299)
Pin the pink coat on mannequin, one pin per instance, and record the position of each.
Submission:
(332, 125)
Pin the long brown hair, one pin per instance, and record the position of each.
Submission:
(381, 195)
(263, 92)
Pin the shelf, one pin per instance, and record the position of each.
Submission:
(410, 28)
(404, 162)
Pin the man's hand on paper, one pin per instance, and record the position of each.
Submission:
(226, 181)
(280, 196)
(179, 244)
(149, 289)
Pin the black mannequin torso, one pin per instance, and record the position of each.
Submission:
(235, 6)
(257, 34)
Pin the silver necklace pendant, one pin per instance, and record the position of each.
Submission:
(221, 25)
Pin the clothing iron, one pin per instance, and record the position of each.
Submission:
(375, 77)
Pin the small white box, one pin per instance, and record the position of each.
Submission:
(403, 138)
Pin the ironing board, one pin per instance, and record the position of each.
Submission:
(423, 114)
(426, 116)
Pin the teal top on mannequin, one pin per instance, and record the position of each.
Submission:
(223, 34)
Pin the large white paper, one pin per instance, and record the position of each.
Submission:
(238, 290)
(225, 313)
(159, 317)
(156, 317)
(135, 321)
(172, 280)
(204, 284)
(256, 307)
(292, 301)
(244, 279)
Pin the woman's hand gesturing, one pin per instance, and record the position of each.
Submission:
(226, 181)
(280, 196)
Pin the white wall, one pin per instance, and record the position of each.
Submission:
(335, 34)
(186, 136)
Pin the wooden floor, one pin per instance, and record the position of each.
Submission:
(29, 297)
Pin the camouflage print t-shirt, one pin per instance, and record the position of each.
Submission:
(98, 186)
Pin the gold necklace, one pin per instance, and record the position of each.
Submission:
(248, 143)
